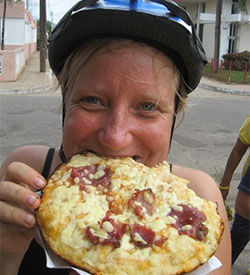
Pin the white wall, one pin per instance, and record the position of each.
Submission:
(14, 30)
(20, 61)
(225, 27)
(244, 34)
(17, 32)
(208, 30)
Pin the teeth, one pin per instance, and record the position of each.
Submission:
(90, 151)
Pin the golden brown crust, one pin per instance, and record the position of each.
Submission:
(117, 216)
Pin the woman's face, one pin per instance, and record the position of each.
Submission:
(122, 104)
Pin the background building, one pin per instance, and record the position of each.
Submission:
(235, 25)
(19, 40)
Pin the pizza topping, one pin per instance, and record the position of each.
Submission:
(76, 180)
(90, 234)
(114, 230)
(189, 221)
(95, 175)
(108, 225)
(159, 240)
(142, 201)
(144, 237)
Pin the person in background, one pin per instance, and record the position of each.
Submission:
(240, 231)
(125, 69)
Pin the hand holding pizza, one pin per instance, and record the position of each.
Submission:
(17, 204)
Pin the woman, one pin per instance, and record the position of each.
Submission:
(124, 71)
(240, 230)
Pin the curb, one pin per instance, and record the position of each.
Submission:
(30, 90)
(224, 89)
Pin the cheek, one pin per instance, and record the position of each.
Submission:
(76, 127)
(157, 137)
(160, 134)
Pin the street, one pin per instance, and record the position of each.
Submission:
(203, 140)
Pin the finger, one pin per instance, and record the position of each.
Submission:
(21, 173)
(18, 194)
(15, 215)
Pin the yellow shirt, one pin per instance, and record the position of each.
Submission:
(244, 137)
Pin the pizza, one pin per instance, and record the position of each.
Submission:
(117, 216)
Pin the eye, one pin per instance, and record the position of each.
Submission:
(92, 103)
(91, 100)
(147, 107)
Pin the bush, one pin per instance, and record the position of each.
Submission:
(238, 60)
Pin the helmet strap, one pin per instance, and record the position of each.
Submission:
(174, 118)
(62, 154)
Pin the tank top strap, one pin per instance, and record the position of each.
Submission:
(48, 162)
(62, 155)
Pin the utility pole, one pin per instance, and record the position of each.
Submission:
(217, 34)
(3, 25)
(43, 38)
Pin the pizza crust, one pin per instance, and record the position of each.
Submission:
(78, 213)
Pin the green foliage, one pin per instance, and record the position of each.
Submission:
(48, 30)
(238, 60)
(243, 5)
(48, 26)
(229, 212)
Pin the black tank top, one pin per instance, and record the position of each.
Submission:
(34, 261)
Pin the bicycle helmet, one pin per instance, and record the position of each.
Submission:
(159, 23)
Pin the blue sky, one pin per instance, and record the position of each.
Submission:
(55, 8)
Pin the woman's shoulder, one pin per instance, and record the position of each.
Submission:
(202, 183)
(32, 155)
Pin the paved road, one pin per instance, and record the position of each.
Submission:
(203, 140)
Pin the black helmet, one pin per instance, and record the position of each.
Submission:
(160, 23)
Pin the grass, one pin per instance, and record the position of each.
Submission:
(235, 76)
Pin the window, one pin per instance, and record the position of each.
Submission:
(235, 6)
(232, 37)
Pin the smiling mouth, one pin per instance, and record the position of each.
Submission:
(114, 157)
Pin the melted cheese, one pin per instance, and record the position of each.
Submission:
(72, 210)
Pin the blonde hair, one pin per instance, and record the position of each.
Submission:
(81, 56)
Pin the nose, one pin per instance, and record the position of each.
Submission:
(116, 131)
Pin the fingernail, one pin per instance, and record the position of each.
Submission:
(28, 219)
(31, 199)
(39, 182)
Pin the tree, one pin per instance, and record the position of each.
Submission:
(43, 38)
(3, 25)
(48, 31)
(217, 34)
(243, 5)
(3, 21)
